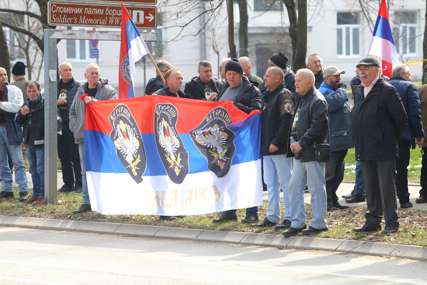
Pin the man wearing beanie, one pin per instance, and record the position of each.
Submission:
(280, 60)
(18, 76)
(246, 97)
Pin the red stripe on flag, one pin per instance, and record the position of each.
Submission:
(387, 68)
(383, 10)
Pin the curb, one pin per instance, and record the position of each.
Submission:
(271, 240)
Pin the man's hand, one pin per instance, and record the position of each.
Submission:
(61, 101)
(24, 110)
(296, 147)
(272, 148)
(89, 99)
(419, 141)
(212, 96)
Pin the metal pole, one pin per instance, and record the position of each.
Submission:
(50, 115)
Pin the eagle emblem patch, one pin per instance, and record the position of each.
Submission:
(169, 144)
(128, 142)
(215, 141)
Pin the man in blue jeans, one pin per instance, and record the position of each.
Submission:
(309, 128)
(11, 100)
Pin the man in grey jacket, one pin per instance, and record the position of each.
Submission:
(93, 90)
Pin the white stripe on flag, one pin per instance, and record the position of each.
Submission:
(137, 51)
(384, 49)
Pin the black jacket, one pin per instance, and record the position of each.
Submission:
(166, 92)
(289, 79)
(310, 123)
(276, 120)
(377, 121)
(33, 123)
(194, 89)
(70, 90)
(249, 99)
(153, 85)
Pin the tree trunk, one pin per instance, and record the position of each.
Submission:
(4, 52)
(243, 28)
(293, 19)
(425, 48)
(231, 44)
(301, 45)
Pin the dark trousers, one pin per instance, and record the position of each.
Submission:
(380, 186)
(334, 174)
(253, 211)
(423, 178)
(68, 153)
(402, 162)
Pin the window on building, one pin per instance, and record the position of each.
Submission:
(77, 50)
(348, 34)
(268, 5)
(405, 32)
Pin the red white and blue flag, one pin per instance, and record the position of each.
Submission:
(382, 45)
(132, 49)
(158, 155)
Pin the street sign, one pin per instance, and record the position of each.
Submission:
(95, 14)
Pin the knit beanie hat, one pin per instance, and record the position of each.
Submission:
(234, 65)
(18, 68)
(279, 59)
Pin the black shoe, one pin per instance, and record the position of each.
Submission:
(390, 229)
(250, 219)
(23, 196)
(167, 218)
(266, 223)
(421, 200)
(368, 228)
(293, 231)
(338, 206)
(286, 224)
(83, 208)
(355, 199)
(225, 218)
(312, 231)
(353, 193)
(6, 195)
(65, 189)
(406, 205)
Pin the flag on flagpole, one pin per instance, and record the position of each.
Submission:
(132, 49)
(382, 45)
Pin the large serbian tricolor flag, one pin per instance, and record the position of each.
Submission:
(382, 45)
(159, 155)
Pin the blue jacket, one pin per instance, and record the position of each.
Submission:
(340, 136)
(411, 102)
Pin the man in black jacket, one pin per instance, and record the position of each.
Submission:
(203, 87)
(246, 97)
(157, 83)
(378, 117)
(309, 128)
(68, 150)
(314, 63)
(276, 125)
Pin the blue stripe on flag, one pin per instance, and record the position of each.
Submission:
(101, 154)
(382, 29)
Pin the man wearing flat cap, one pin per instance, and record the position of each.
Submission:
(378, 117)
(340, 138)
(246, 97)
(280, 60)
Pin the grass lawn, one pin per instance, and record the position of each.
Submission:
(413, 169)
(413, 223)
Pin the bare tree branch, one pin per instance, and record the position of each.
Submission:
(38, 41)
(22, 13)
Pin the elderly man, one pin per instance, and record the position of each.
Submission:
(156, 83)
(68, 150)
(93, 90)
(378, 118)
(246, 97)
(276, 119)
(413, 133)
(309, 129)
(203, 87)
(11, 100)
(174, 80)
(314, 63)
(246, 64)
(340, 138)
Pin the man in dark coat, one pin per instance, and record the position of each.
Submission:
(280, 60)
(401, 80)
(340, 138)
(203, 87)
(378, 117)
(157, 83)
(314, 63)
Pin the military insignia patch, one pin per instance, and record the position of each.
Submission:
(128, 142)
(169, 144)
(215, 141)
(125, 70)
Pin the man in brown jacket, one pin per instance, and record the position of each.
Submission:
(423, 178)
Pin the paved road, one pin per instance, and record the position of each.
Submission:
(49, 257)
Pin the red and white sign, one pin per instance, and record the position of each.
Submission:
(100, 14)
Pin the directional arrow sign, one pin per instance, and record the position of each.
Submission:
(98, 14)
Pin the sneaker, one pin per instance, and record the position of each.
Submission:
(65, 189)
(83, 208)
(312, 231)
(6, 195)
(355, 199)
(250, 219)
(286, 224)
(266, 223)
(406, 205)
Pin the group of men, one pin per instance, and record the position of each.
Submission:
(307, 127)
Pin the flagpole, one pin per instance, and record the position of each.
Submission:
(153, 60)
